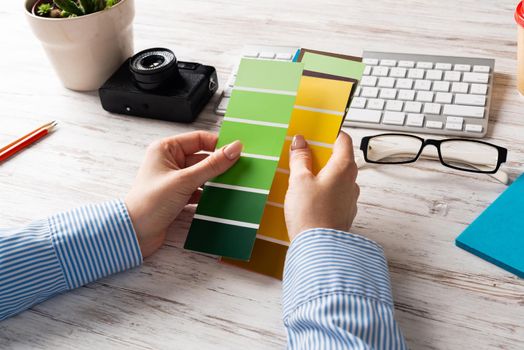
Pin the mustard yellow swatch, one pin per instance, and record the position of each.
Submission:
(323, 93)
(314, 126)
(277, 194)
(319, 155)
(273, 224)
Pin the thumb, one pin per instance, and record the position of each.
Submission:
(217, 163)
(299, 156)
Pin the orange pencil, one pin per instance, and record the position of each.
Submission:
(26, 140)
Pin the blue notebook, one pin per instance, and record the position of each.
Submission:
(497, 235)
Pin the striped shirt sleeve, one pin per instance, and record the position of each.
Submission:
(64, 252)
(337, 294)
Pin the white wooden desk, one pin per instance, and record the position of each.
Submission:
(445, 298)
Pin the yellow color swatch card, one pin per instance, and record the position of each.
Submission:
(323, 96)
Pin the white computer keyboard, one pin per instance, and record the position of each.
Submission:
(407, 92)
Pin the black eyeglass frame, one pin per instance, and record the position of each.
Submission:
(502, 152)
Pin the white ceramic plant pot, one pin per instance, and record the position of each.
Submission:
(86, 50)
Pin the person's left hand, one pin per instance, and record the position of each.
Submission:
(169, 178)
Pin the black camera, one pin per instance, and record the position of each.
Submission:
(153, 84)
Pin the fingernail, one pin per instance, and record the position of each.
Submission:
(298, 142)
(233, 150)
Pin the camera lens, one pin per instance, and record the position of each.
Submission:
(152, 67)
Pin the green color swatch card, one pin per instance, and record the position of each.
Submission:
(228, 215)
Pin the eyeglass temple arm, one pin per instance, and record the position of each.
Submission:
(431, 153)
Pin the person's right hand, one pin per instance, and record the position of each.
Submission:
(327, 200)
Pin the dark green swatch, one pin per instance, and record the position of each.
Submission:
(246, 206)
(212, 237)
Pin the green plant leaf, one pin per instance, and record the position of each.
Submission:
(89, 6)
(44, 9)
(69, 6)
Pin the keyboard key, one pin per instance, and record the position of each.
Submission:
(425, 96)
(462, 67)
(452, 76)
(454, 123)
(358, 91)
(363, 115)
(473, 128)
(434, 74)
(368, 81)
(380, 71)
(423, 85)
(388, 93)
(267, 55)
(223, 104)
(386, 82)
(231, 82)
(482, 78)
(358, 102)
(415, 120)
(284, 56)
(393, 105)
(413, 107)
(464, 111)
(481, 89)
(460, 88)
(250, 54)
(407, 95)
(389, 63)
(425, 65)
(404, 83)
(433, 124)
(394, 118)
(432, 108)
(398, 72)
(416, 73)
(475, 100)
(481, 69)
(406, 64)
(369, 92)
(442, 86)
(443, 66)
(227, 92)
(370, 61)
(367, 70)
(376, 103)
(443, 97)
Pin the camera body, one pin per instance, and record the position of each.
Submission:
(178, 97)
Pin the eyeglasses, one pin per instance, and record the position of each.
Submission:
(460, 154)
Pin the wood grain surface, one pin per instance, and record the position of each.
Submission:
(444, 297)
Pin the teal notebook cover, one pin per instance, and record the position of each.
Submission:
(497, 235)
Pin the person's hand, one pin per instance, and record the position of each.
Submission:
(169, 178)
(327, 200)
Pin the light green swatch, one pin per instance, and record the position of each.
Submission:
(272, 75)
(260, 106)
(333, 65)
(249, 172)
(257, 139)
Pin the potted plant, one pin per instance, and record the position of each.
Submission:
(85, 40)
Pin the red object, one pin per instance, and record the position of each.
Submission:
(23, 144)
(519, 14)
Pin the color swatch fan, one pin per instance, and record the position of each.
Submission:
(228, 215)
(323, 97)
(240, 215)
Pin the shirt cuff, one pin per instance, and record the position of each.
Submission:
(321, 262)
(94, 241)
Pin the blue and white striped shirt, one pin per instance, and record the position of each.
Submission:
(336, 285)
